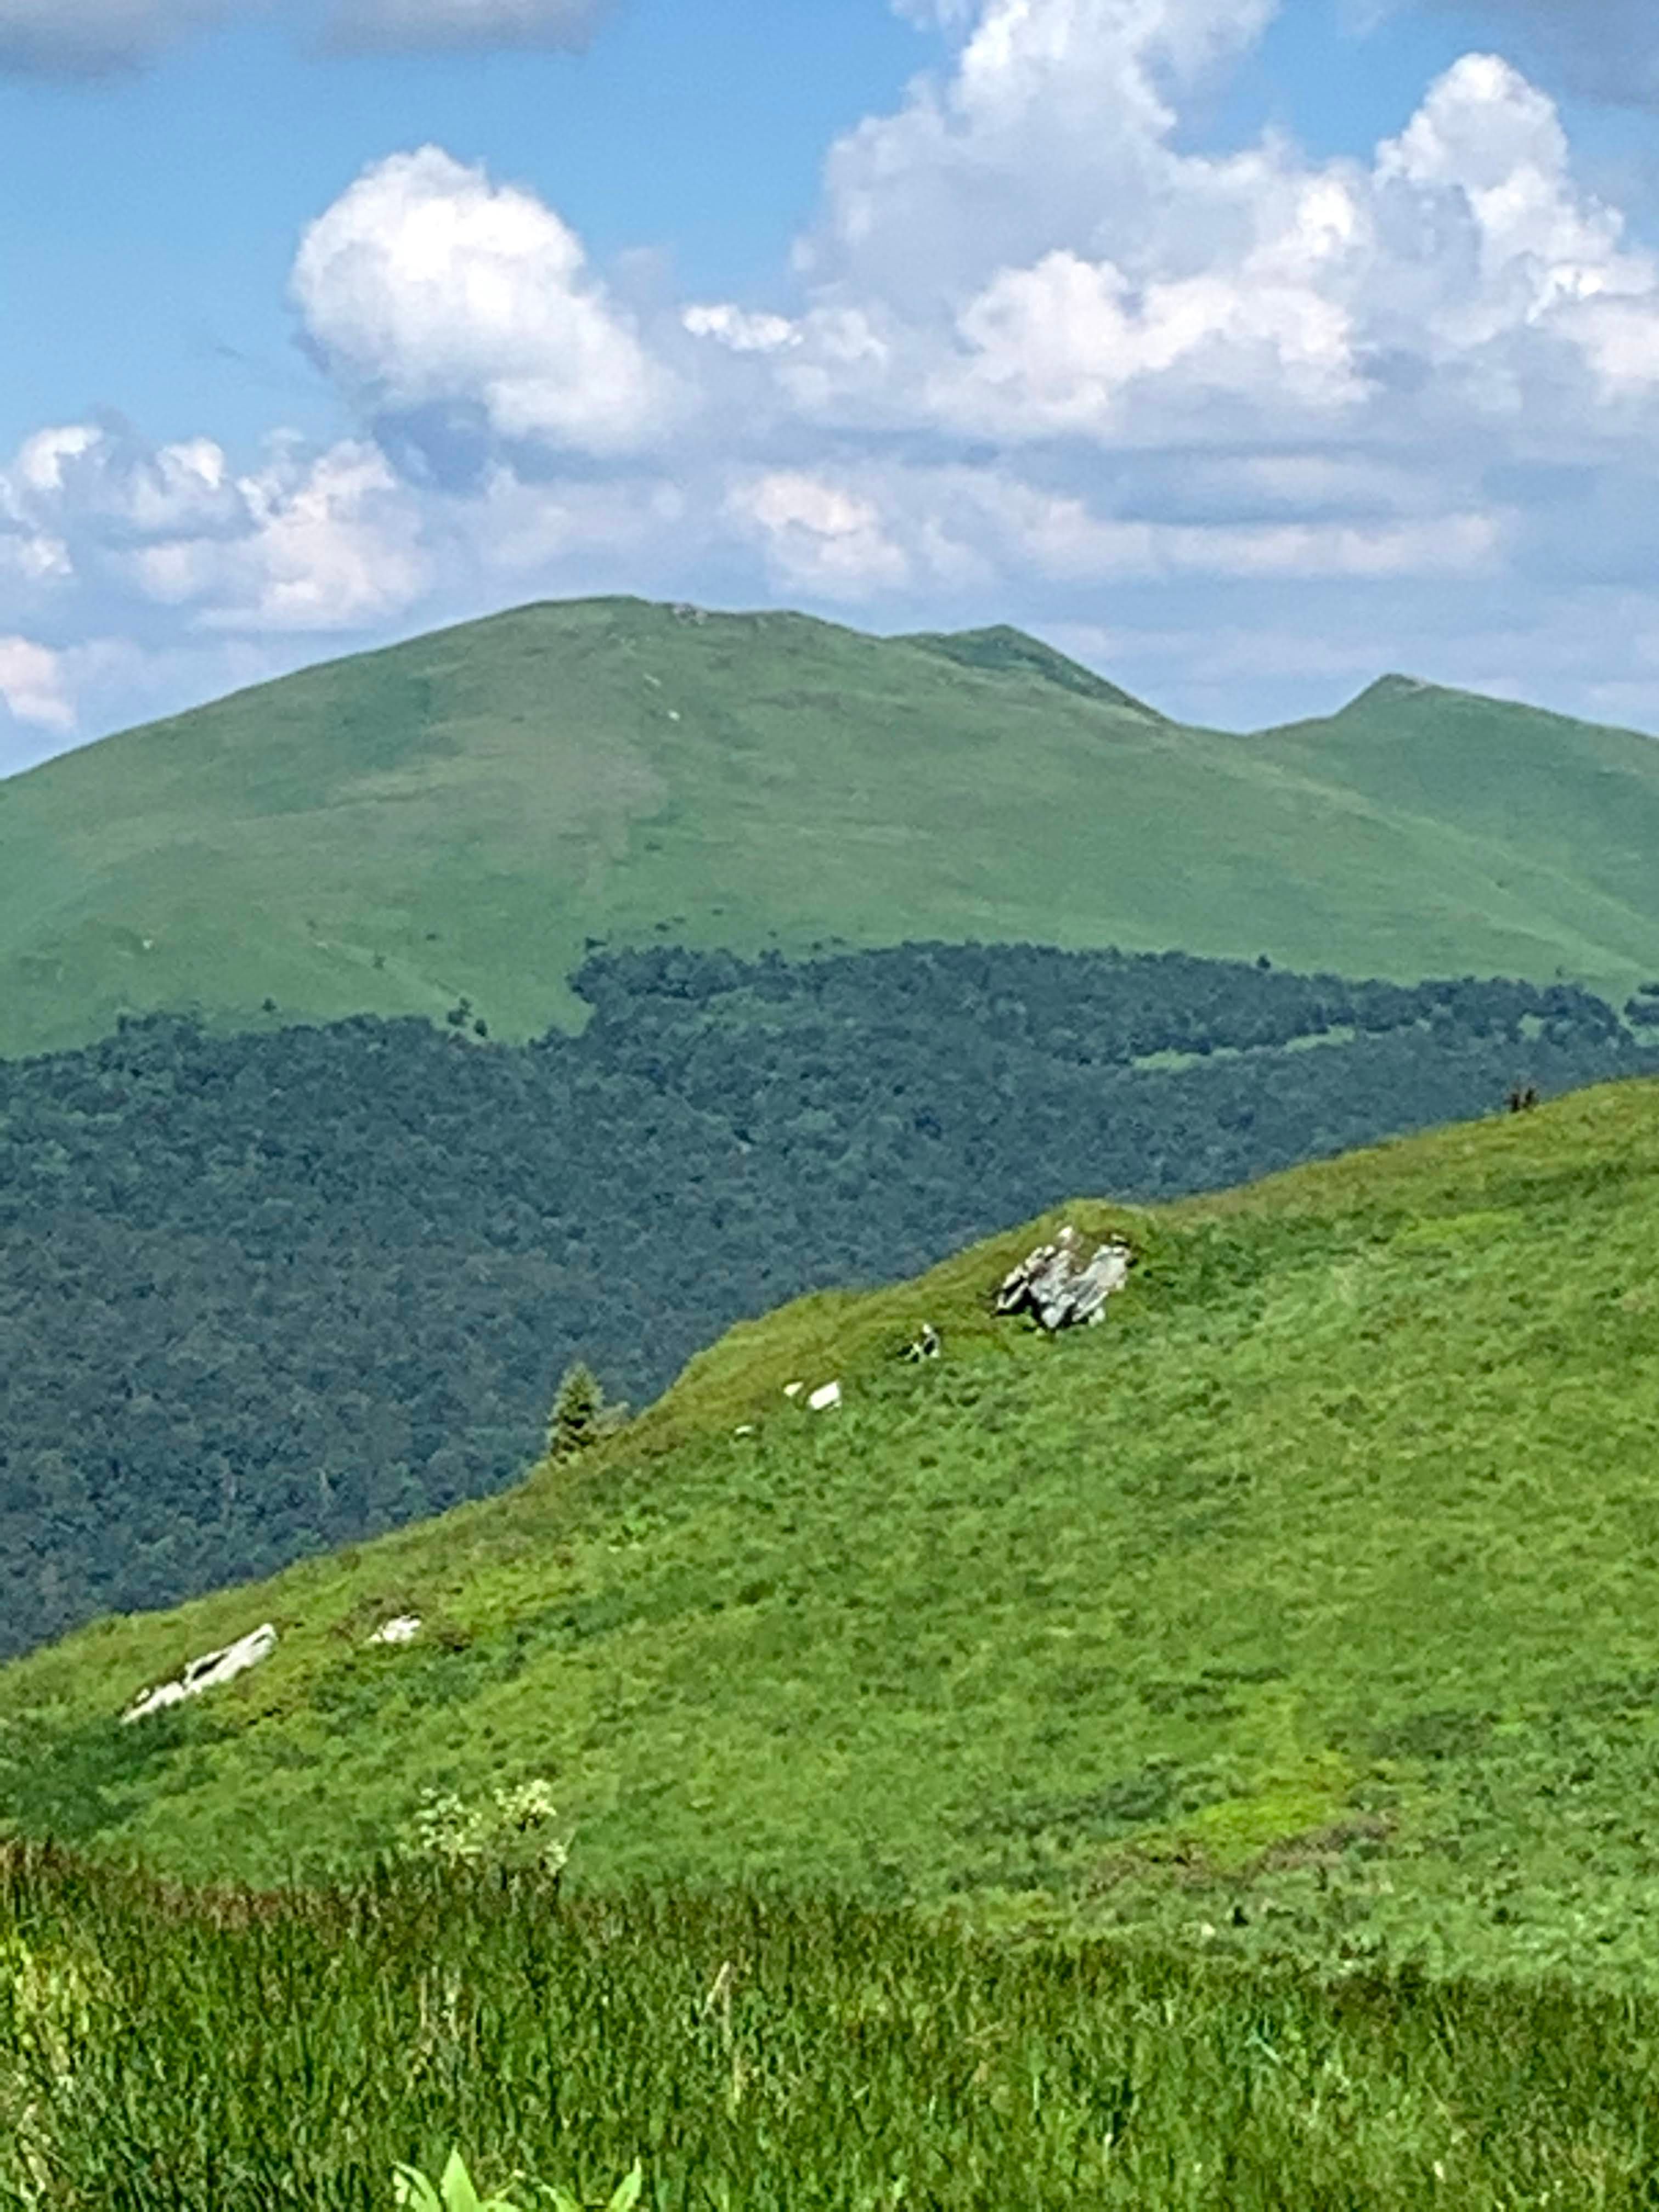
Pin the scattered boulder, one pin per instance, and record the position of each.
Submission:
(826, 1395)
(404, 1630)
(206, 1673)
(1052, 1284)
(928, 1345)
(793, 1390)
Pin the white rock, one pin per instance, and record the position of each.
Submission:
(793, 1390)
(206, 1673)
(826, 1395)
(746, 1429)
(1051, 1284)
(152, 1701)
(404, 1630)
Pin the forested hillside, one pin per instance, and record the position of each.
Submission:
(261, 1295)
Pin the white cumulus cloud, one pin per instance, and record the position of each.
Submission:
(466, 311)
(1039, 356)
(1031, 255)
(1477, 195)
(330, 541)
(321, 541)
(741, 331)
(819, 536)
(31, 685)
(1053, 348)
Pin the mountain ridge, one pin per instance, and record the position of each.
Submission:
(461, 817)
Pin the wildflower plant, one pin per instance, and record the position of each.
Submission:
(515, 1827)
(47, 2014)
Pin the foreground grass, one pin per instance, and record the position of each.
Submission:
(233, 2053)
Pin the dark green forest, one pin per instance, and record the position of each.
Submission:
(265, 1293)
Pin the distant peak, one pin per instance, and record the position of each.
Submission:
(1002, 649)
(1390, 687)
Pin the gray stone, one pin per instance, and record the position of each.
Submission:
(1052, 1284)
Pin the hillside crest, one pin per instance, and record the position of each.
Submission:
(455, 821)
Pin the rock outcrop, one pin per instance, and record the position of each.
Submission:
(1052, 1284)
(206, 1673)
(404, 1630)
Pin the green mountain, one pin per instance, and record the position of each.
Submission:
(1306, 1600)
(460, 817)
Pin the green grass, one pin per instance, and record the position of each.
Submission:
(231, 2053)
(457, 816)
(1304, 1610)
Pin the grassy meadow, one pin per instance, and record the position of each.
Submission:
(233, 2052)
(459, 816)
(1302, 1613)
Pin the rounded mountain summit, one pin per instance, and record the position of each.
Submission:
(455, 820)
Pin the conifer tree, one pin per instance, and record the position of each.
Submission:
(578, 1416)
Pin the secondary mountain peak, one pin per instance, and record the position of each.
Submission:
(1001, 647)
(1392, 689)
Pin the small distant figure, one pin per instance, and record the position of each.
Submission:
(1522, 1099)
(927, 1346)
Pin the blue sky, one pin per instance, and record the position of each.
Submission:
(1244, 350)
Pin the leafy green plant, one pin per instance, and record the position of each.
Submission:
(456, 2192)
(514, 1826)
(622, 2197)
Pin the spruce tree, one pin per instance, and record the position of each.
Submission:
(578, 1416)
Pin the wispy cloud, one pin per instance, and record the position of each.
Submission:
(104, 38)
(403, 25)
(97, 38)
(1609, 50)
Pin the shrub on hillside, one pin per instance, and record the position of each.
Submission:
(512, 1828)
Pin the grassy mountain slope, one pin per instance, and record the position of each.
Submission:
(454, 817)
(1554, 816)
(1307, 1603)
